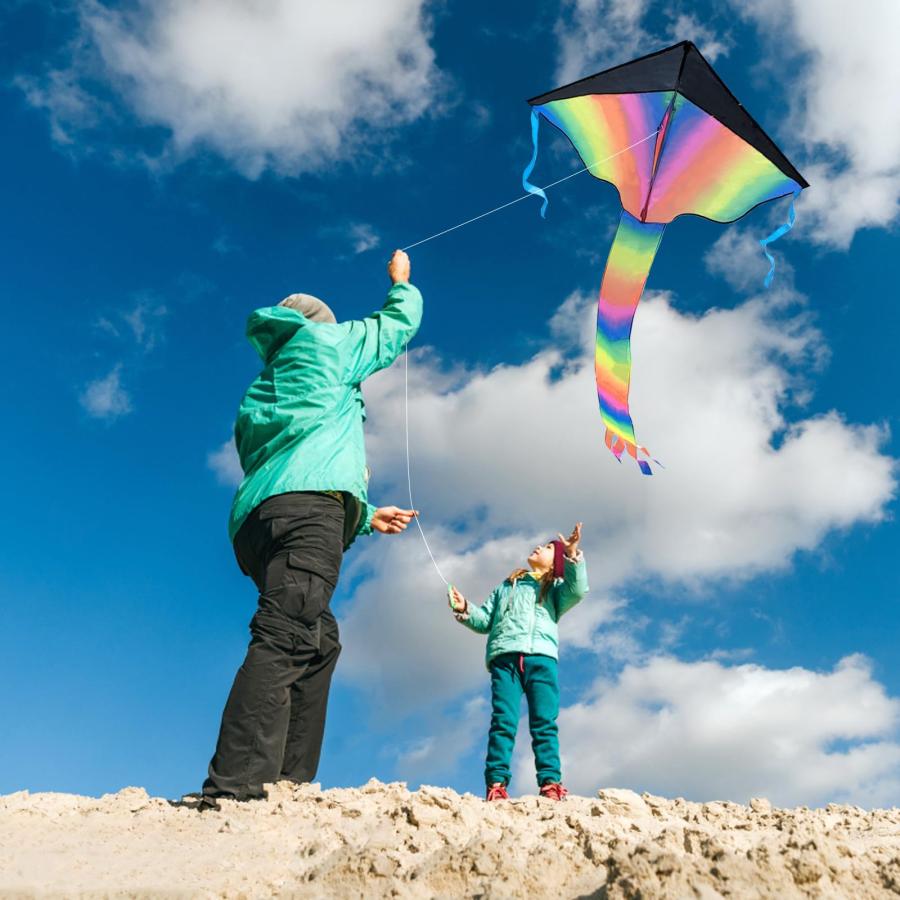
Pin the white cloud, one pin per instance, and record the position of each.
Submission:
(503, 458)
(363, 237)
(603, 615)
(685, 27)
(69, 107)
(279, 85)
(106, 326)
(595, 34)
(710, 731)
(569, 325)
(140, 329)
(736, 256)
(453, 737)
(226, 464)
(360, 237)
(145, 323)
(105, 398)
(708, 396)
(844, 111)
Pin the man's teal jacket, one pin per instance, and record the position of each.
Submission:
(300, 424)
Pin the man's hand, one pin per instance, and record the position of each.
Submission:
(398, 267)
(571, 543)
(458, 603)
(392, 519)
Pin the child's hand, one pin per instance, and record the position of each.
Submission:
(571, 543)
(458, 603)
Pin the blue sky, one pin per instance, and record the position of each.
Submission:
(168, 168)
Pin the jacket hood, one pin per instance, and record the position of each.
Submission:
(270, 328)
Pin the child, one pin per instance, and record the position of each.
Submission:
(520, 619)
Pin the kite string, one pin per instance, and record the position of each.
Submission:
(490, 212)
(408, 472)
(483, 215)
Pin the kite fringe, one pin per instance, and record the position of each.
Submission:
(617, 445)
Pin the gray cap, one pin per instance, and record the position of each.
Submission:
(311, 307)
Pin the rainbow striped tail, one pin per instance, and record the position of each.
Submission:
(627, 268)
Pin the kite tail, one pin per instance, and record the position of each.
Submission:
(627, 268)
(532, 188)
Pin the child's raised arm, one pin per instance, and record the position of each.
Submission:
(575, 583)
(478, 618)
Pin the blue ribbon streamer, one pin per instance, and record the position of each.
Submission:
(780, 231)
(532, 188)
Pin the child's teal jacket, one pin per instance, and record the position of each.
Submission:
(516, 622)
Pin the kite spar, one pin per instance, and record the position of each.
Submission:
(709, 158)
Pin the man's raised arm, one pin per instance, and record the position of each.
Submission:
(380, 338)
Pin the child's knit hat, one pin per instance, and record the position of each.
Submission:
(559, 559)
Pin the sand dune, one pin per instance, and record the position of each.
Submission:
(382, 840)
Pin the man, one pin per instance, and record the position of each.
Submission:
(303, 500)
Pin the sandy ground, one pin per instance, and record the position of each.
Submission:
(382, 840)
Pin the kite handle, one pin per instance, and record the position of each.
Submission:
(532, 188)
(777, 233)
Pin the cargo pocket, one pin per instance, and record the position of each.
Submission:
(308, 588)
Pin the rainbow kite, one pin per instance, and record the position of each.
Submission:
(674, 141)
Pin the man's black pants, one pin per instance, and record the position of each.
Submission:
(291, 546)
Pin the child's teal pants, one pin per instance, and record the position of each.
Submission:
(535, 675)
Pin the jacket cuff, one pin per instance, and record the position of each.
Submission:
(577, 558)
(365, 523)
(460, 615)
(404, 286)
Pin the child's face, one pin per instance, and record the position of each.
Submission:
(541, 557)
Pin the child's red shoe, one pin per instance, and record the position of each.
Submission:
(553, 791)
(497, 792)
